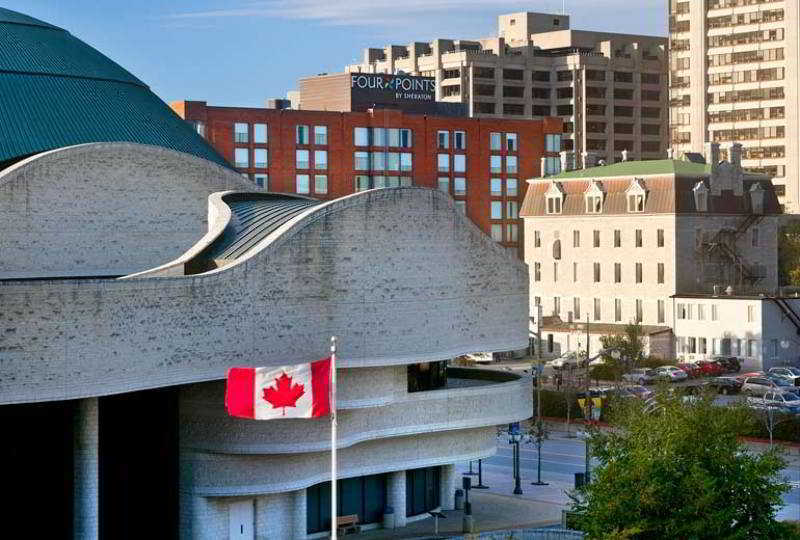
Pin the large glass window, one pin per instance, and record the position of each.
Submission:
(496, 187)
(511, 187)
(362, 183)
(513, 233)
(394, 137)
(459, 163)
(512, 209)
(460, 140)
(405, 138)
(427, 376)
(511, 142)
(496, 164)
(320, 159)
(406, 163)
(364, 496)
(260, 158)
(241, 158)
(378, 161)
(459, 186)
(302, 135)
(361, 161)
(240, 132)
(511, 165)
(262, 181)
(321, 183)
(443, 162)
(393, 161)
(552, 142)
(497, 232)
(496, 210)
(422, 490)
(260, 133)
(496, 141)
(301, 159)
(552, 165)
(443, 182)
(379, 137)
(301, 184)
(360, 136)
(321, 135)
(443, 139)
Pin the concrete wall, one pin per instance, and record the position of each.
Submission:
(399, 275)
(104, 209)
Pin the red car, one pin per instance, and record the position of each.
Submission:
(709, 368)
(744, 376)
(691, 369)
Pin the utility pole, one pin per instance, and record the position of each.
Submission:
(539, 370)
(588, 411)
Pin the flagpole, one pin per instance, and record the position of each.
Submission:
(334, 524)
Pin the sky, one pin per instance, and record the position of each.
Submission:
(242, 52)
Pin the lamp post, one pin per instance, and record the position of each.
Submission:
(514, 437)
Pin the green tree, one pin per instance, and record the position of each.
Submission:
(631, 347)
(789, 254)
(673, 469)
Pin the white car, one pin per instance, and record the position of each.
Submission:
(670, 374)
(779, 401)
(791, 374)
(567, 360)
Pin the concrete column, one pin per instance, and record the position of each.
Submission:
(299, 512)
(86, 487)
(396, 496)
(447, 495)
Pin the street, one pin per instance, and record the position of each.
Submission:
(562, 457)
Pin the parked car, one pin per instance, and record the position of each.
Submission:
(710, 368)
(640, 376)
(634, 391)
(725, 385)
(781, 401)
(744, 376)
(730, 364)
(758, 386)
(691, 369)
(784, 384)
(791, 374)
(670, 374)
(566, 360)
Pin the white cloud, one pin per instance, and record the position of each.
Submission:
(393, 12)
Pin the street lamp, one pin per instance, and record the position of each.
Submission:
(514, 437)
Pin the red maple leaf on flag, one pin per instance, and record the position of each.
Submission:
(284, 393)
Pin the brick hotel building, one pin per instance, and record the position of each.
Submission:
(481, 163)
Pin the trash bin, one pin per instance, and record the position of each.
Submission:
(388, 518)
(459, 499)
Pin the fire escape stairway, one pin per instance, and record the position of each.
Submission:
(788, 312)
(724, 244)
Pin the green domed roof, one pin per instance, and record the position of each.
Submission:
(56, 91)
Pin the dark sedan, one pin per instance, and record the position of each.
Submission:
(725, 385)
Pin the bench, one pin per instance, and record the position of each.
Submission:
(348, 525)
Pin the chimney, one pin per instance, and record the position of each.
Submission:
(713, 156)
(625, 155)
(543, 161)
(567, 161)
(735, 155)
(670, 153)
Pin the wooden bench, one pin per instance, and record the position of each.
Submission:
(348, 525)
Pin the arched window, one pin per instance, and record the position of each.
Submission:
(557, 250)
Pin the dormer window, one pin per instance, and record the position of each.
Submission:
(636, 195)
(700, 192)
(554, 198)
(757, 199)
(594, 199)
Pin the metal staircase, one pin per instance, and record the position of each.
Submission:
(788, 312)
(723, 247)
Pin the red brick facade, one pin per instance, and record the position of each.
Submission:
(217, 125)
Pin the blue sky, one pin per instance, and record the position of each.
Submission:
(241, 52)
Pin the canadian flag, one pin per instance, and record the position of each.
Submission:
(269, 393)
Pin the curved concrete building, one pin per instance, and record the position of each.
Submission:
(123, 378)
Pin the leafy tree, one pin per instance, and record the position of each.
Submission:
(631, 347)
(674, 469)
(789, 254)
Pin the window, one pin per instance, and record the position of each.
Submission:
(406, 161)
(617, 310)
(511, 164)
(754, 237)
(262, 181)
(751, 314)
(444, 183)
(638, 272)
(681, 309)
(241, 158)
(576, 238)
(557, 249)
(552, 165)
(638, 237)
(301, 183)
(361, 161)
(555, 272)
(362, 183)
(574, 272)
(459, 186)
(714, 312)
(392, 161)
(596, 239)
(594, 204)
(661, 314)
(537, 239)
(301, 159)
(361, 136)
(260, 133)
(260, 158)
(512, 210)
(443, 139)
(660, 237)
(378, 161)
(537, 271)
(597, 272)
(321, 183)
(320, 159)
(552, 142)
(691, 345)
(302, 135)
(511, 142)
(497, 233)
(751, 348)
(635, 202)
(660, 272)
(576, 308)
(321, 135)
(511, 187)
(617, 272)
(240, 132)
(701, 312)
(460, 140)
(639, 311)
(459, 163)
(556, 306)
(496, 209)
(617, 238)
(496, 164)
(405, 138)
(379, 137)
(554, 204)
(496, 141)
(512, 231)
(597, 312)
